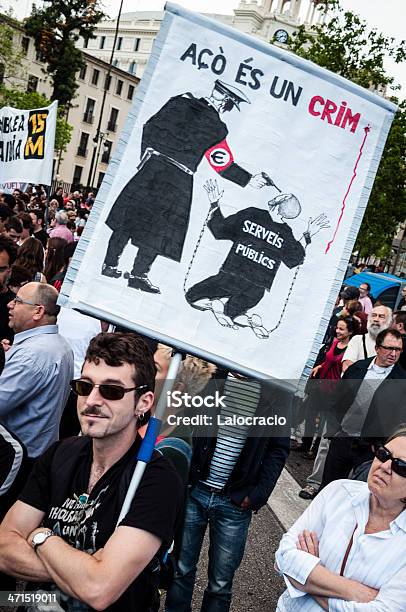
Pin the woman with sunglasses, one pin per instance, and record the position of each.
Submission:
(347, 550)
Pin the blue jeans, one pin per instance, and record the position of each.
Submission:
(228, 529)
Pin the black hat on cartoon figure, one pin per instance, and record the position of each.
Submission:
(232, 93)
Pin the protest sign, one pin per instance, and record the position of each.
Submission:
(27, 139)
(228, 214)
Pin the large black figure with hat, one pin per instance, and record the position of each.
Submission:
(153, 208)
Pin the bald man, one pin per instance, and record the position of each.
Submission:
(34, 385)
(260, 245)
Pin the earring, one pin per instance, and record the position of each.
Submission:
(142, 419)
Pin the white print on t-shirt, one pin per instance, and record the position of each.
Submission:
(71, 517)
(250, 253)
(259, 231)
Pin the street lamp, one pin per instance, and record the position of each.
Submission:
(92, 170)
(100, 142)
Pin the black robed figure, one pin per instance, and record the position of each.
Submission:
(153, 209)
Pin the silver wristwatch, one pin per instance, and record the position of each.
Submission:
(40, 537)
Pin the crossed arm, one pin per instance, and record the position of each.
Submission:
(97, 579)
(323, 584)
(299, 561)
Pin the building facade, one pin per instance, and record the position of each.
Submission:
(271, 20)
(86, 159)
(72, 167)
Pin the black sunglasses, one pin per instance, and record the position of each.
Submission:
(108, 392)
(398, 465)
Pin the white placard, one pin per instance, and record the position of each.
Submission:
(27, 139)
(237, 191)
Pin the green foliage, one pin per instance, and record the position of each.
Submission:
(32, 99)
(55, 28)
(387, 204)
(10, 56)
(345, 46)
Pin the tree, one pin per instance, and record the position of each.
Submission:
(346, 46)
(55, 28)
(32, 99)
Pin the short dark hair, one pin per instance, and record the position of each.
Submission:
(9, 200)
(25, 220)
(10, 247)
(380, 339)
(119, 348)
(5, 212)
(367, 285)
(400, 317)
(352, 324)
(19, 276)
(14, 223)
(38, 213)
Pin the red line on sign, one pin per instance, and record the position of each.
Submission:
(367, 129)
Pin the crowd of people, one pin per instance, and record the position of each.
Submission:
(76, 396)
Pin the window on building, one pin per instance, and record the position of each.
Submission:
(115, 63)
(102, 42)
(25, 44)
(77, 176)
(119, 87)
(40, 57)
(119, 43)
(82, 148)
(82, 73)
(137, 44)
(106, 151)
(85, 43)
(107, 82)
(88, 116)
(100, 179)
(132, 67)
(32, 84)
(112, 124)
(95, 76)
(130, 93)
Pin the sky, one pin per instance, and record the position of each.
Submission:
(389, 16)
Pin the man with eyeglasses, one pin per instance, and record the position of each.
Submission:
(34, 384)
(362, 346)
(399, 323)
(364, 298)
(62, 531)
(368, 406)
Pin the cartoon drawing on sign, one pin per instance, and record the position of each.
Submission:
(260, 245)
(153, 209)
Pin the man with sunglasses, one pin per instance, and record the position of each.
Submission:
(63, 528)
(368, 406)
(34, 385)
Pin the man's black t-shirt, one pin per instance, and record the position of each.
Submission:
(5, 331)
(42, 236)
(260, 245)
(60, 477)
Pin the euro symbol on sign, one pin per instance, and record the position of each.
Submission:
(220, 157)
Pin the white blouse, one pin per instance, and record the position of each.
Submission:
(377, 560)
